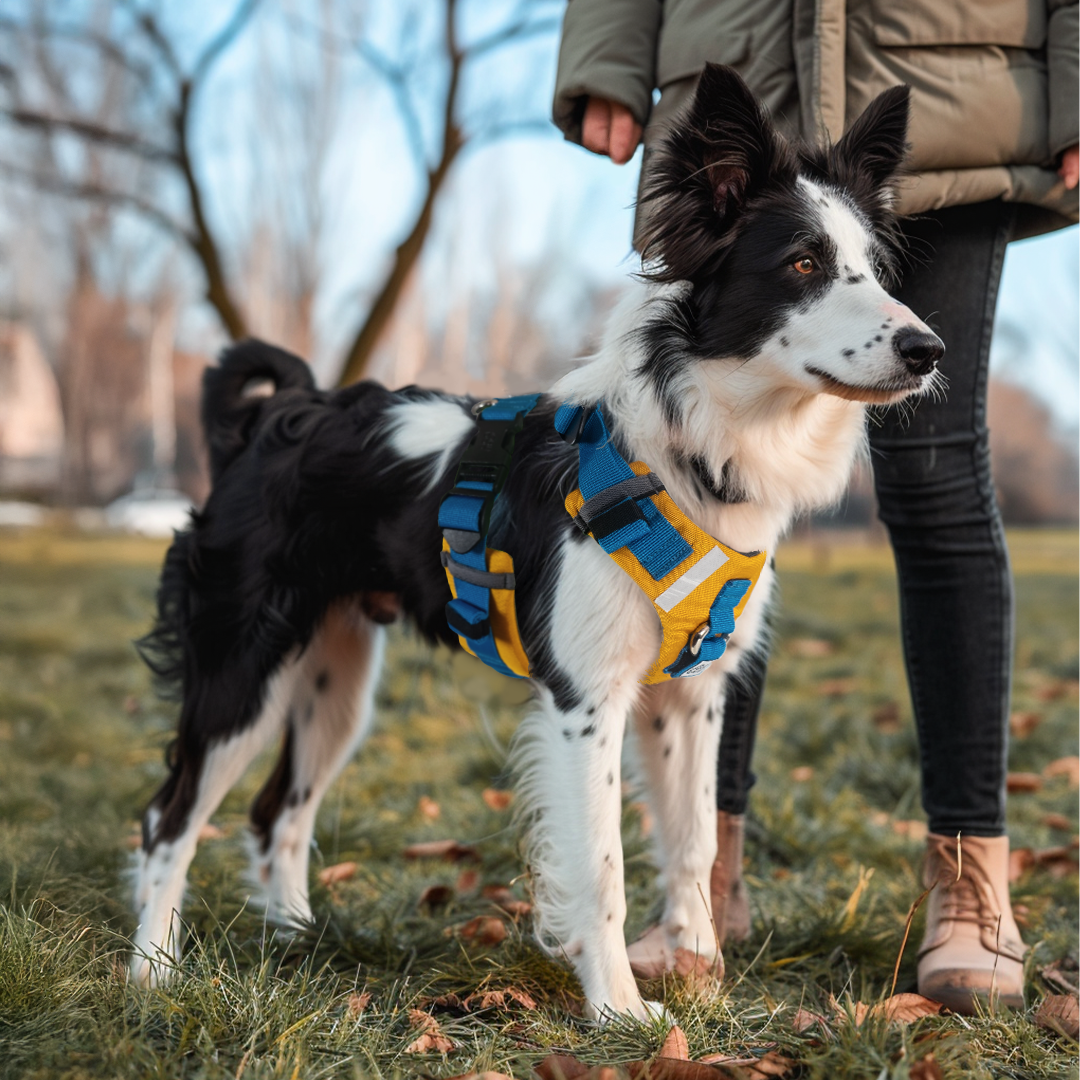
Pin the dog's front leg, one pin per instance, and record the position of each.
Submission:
(604, 635)
(678, 734)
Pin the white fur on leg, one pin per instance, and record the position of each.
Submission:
(331, 715)
(162, 874)
(678, 728)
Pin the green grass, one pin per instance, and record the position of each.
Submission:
(81, 744)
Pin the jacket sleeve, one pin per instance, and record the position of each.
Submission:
(1061, 59)
(608, 49)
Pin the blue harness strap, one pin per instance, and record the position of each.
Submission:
(465, 518)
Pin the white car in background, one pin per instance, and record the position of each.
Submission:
(150, 512)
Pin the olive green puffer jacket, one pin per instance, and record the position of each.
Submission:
(994, 82)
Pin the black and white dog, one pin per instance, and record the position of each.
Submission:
(738, 370)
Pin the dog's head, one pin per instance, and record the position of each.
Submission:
(787, 250)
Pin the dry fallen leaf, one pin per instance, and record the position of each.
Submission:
(499, 999)
(505, 899)
(906, 1008)
(1062, 974)
(645, 815)
(1066, 766)
(560, 1067)
(435, 896)
(1058, 1012)
(804, 1019)
(1057, 821)
(886, 717)
(429, 807)
(771, 1065)
(356, 1004)
(926, 1068)
(210, 832)
(675, 1045)
(133, 841)
(662, 1068)
(450, 850)
(496, 799)
(431, 1039)
(913, 830)
(483, 930)
(467, 881)
(481, 1076)
(1022, 724)
(1060, 861)
(802, 773)
(1022, 782)
(1057, 688)
(342, 871)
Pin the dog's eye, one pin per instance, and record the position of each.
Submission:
(804, 264)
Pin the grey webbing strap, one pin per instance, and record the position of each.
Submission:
(482, 578)
(634, 487)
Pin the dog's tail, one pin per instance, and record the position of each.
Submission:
(233, 394)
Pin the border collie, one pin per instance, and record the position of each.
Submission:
(738, 369)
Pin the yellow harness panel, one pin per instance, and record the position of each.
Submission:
(682, 599)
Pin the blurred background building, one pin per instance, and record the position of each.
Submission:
(373, 185)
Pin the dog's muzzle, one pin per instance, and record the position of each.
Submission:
(920, 350)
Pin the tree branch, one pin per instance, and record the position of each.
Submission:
(397, 80)
(72, 189)
(95, 133)
(244, 10)
(519, 31)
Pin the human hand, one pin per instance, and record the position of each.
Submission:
(610, 128)
(1069, 170)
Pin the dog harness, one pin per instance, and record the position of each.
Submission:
(697, 585)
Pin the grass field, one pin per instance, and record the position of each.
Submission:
(833, 854)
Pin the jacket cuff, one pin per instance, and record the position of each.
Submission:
(608, 50)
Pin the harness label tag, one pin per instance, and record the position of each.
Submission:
(697, 669)
(682, 587)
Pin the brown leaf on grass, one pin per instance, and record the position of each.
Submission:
(810, 648)
(483, 930)
(560, 1067)
(499, 999)
(675, 1045)
(497, 799)
(431, 1039)
(435, 896)
(449, 850)
(356, 1004)
(467, 881)
(1059, 861)
(926, 1068)
(766, 1067)
(505, 899)
(886, 717)
(1066, 766)
(802, 773)
(837, 687)
(1059, 1013)
(429, 808)
(133, 841)
(1057, 689)
(481, 1076)
(1059, 822)
(1022, 724)
(342, 871)
(906, 1008)
(1018, 783)
(662, 1068)
(210, 832)
(1022, 915)
(804, 1020)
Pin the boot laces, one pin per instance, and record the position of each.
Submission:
(967, 895)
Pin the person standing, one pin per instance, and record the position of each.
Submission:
(994, 134)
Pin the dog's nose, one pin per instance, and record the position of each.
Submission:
(919, 349)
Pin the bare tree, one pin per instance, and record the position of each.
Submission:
(156, 141)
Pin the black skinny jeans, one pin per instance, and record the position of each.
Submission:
(936, 497)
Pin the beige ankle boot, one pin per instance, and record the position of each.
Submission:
(972, 945)
(650, 956)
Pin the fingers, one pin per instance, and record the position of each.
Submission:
(610, 128)
(596, 126)
(625, 134)
(1070, 167)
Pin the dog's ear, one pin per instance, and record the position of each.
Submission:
(720, 153)
(875, 145)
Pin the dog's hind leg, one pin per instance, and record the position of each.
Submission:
(201, 776)
(678, 727)
(328, 717)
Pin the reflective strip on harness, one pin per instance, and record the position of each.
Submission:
(697, 585)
